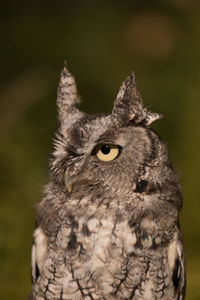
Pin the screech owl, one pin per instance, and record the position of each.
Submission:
(108, 224)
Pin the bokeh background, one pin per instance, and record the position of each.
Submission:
(102, 41)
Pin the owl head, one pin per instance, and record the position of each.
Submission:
(114, 154)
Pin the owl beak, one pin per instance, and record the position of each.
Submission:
(69, 187)
(68, 182)
(73, 179)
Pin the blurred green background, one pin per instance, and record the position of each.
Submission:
(102, 41)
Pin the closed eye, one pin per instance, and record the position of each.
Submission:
(107, 152)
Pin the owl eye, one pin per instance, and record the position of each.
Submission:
(107, 152)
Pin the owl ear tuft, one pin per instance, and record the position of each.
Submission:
(67, 97)
(129, 106)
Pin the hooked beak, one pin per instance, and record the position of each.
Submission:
(72, 179)
(68, 182)
(69, 188)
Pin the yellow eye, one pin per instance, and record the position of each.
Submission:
(106, 152)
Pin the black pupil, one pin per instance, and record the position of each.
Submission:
(105, 149)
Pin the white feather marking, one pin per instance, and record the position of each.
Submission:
(40, 249)
(148, 291)
(179, 254)
(33, 262)
(93, 225)
(172, 253)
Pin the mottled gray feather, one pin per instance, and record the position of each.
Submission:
(108, 229)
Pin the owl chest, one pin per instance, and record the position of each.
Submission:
(96, 250)
(100, 234)
(102, 250)
(97, 247)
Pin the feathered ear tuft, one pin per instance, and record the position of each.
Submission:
(67, 97)
(129, 106)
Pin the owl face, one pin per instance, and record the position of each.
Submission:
(105, 153)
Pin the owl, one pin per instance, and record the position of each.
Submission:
(108, 224)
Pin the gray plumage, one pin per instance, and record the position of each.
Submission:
(108, 224)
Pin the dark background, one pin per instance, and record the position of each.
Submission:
(102, 41)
